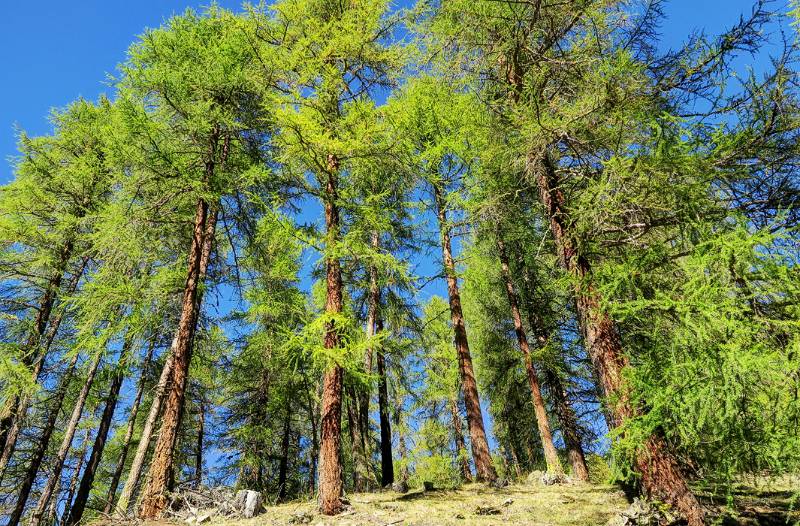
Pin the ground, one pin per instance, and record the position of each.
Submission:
(533, 504)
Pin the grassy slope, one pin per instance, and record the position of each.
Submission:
(533, 504)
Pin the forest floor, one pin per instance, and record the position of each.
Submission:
(522, 504)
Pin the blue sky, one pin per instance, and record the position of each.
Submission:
(52, 51)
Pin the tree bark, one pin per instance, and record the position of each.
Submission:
(330, 464)
(77, 508)
(42, 445)
(660, 472)
(461, 446)
(542, 421)
(387, 465)
(283, 468)
(135, 472)
(47, 490)
(22, 402)
(480, 446)
(126, 441)
(198, 454)
(154, 499)
(73, 482)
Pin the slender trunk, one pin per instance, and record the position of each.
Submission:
(198, 456)
(154, 499)
(76, 510)
(330, 464)
(387, 465)
(352, 426)
(52, 510)
(461, 445)
(480, 445)
(135, 472)
(552, 379)
(41, 447)
(73, 483)
(22, 402)
(660, 472)
(284, 464)
(69, 434)
(402, 450)
(542, 421)
(126, 441)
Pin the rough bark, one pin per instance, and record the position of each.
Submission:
(387, 465)
(77, 508)
(22, 402)
(330, 465)
(542, 421)
(135, 472)
(461, 445)
(198, 452)
(69, 434)
(41, 447)
(73, 482)
(126, 441)
(283, 467)
(154, 499)
(480, 446)
(660, 472)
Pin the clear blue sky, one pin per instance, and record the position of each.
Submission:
(53, 51)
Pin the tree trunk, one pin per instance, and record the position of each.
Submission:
(76, 510)
(480, 446)
(154, 499)
(283, 468)
(198, 455)
(135, 472)
(330, 465)
(22, 402)
(542, 421)
(402, 450)
(73, 482)
(661, 475)
(42, 445)
(126, 442)
(387, 465)
(69, 434)
(461, 446)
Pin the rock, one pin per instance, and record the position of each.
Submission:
(400, 487)
(460, 516)
(249, 503)
(508, 502)
(427, 486)
(499, 483)
(641, 513)
(550, 479)
(487, 510)
(204, 517)
(301, 518)
(535, 476)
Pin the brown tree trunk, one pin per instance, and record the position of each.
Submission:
(480, 446)
(283, 468)
(76, 510)
(126, 441)
(542, 421)
(41, 447)
(154, 499)
(22, 403)
(660, 472)
(135, 472)
(72, 425)
(461, 446)
(387, 465)
(73, 482)
(198, 454)
(330, 464)
(566, 416)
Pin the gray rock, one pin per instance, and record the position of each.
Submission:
(249, 503)
(499, 483)
(400, 487)
(535, 476)
(642, 513)
(550, 479)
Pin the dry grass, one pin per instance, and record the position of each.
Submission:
(531, 504)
